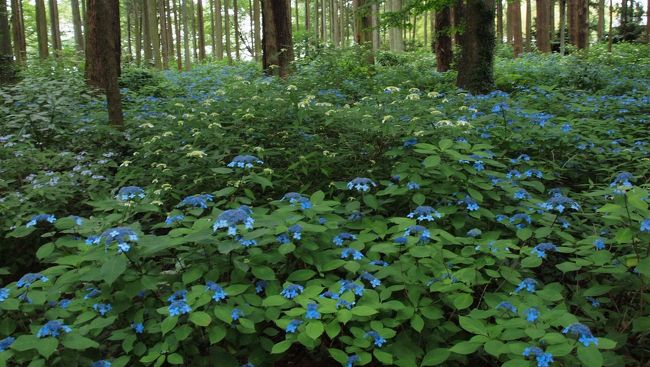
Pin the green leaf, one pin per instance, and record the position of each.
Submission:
(168, 324)
(363, 311)
(418, 198)
(200, 318)
(383, 357)
(471, 325)
(263, 272)
(590, 356)
(524, 233)
(338, 355)
(435, 357)
(113, 268)
(274, 301)
(25, 342)
(417, 323)
(216, 334)
(175, 358)
(236, 289)
(431, 161)
(371, 201)
(281, 347)
(301, 275)
(78, 342)
(462, 301)
(314, 329)
(465, 347)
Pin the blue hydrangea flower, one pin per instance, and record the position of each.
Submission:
(92, 293)
(246, 243)
(53, 328)
(594, 302)
(6, 343)
(102, 308)
(507, 306)
(374, 282)
(411, 186)
(138, 327)
(343, 236)
(283, 238)
(236, 314)
(379, 263)
(527, 284)
(295, 231)
(173, 219)
(522, 194)
(622, 179)
(40, 218)
(424, 233)
(543, 359)
(93, 240)
(566, 128)
(348, 285)
(474, 232)
(28, 279)
(540, 250)
(362, 184)
(513, 174)
(121, 235)
(101, 363)
(424, 213)
(295, 198)
(293, 326)
(377, 339)
(348, 251)
(470, 203)
(355, 216)
(329, 294)
(532, 314)
(584, 334)
(479, 166)
(232, 217)
(130, 193)
(533, 173)
(180, 307)
(352, 360)
(260, 285)
(500, 107)
(559, 202)
(312, 312)
(599, 243)
(4, 294)
(245, 161)
(645, 225)
(401, 240)
(409, 143)
(196, 201)
(292, 291)
(218, 292)
(341, 303)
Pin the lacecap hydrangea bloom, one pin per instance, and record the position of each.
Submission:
(583, 332)
(101, 363)
(121, 235)
(232, 217)
(53, 328)
(28, 279)
(177, 303)
(293, 325)
(541, 249)
(127, 193)
(377, 339)
(342, 237)
(295, 198)
(6, 343)
(245, 161)
(424, 213)
(292, 291)
(218, 292)
(361, 184)
(40, 218)
(196, 201)
(527, 284)
(312, 312)
(543, 359)
(507, 306)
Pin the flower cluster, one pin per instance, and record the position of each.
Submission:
(245, 161)
(232, 217)
(543, 359)
(424, 213)
(582, 331)
(196, 201)
(361, 184)
(178, 303)
(39, 218)
(128, 193)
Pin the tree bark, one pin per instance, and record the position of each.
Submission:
(542, 23)
(76, 23)
(579, 23)
(177, 30)
(610, 36)
(600, 28)
(475, 70)
(18, 31)
(54, 26)
(307, 20)
(41, 29)
(277, 45)
(235, 21)
(363, 28)
(458, 19)
(201, 30)
(219, 29)
(5, 34)
(442, 39)
(137, 15)
(529, 25)
(551, 18)
(164, 42)
(395, 33)
(186, 37)
(515, 9)
(257, 28)
(153, 33)
(148, 49)
(103, 54)
(509, 27)
(562, 27)
(499, 4)
(226, 14)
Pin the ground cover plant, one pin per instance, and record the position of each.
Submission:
(383, 217)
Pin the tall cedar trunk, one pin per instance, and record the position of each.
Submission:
(163, 34)
(624, 18)
(148, 51)
(5, 35)
(219, 31)
(41, 29)
(442, 40)
(297, 17)
(600, 28)
(336, 32)
(529, 25)
(323, 23)
(395, 33)
(226, 14)
(192, 17)
(199, 17)
(169, 27)
(647, 21)
(475, 70)
(307, 20)
(515, 8)
(55, 31)
(103, 53)
(129, 7)
(551, 18)
(316, 20)
(153, 33)
(610, 34)
(330, 9)
(363, 28)
(257, 28)
(18, 31)
(213, 40)
(509, 28)
(138, 32)
(579, 23)
(76, 23)
(177, 30)
(186, 36)
(457, 17)
(499, 21)
(277, 46)
(542, 23)
(235, 21)
(562, 27)
(426, 25)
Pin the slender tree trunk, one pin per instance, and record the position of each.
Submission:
(169, 28)
(336, 28)
(600, 28)
(177, 30)
(579, 23)
(277, 42)
(148, 49)
(129, 49)
(195, 44)
(297, 17)
(219, 30)
(458, 19)
(201, 30)
(529, 26)
(41, 29)
(18, 31)
(103, 54)
(475, 70)
(226, 14)
(54, 27)
(323, 23)
(647, 21)
(624, 18)
(551, 18)
(562, 27)
(257, 28)
(213, 40)
(307, 20)
(6, 55)
(516, 27)
(316, 21)
(76, 24)
(442, 39)
(509, 21)
(363, 28)
(153, 33)
(610, 36)
(163, 34)
(137, 15)
(235, 20)
(426, 25)
(186, 36)
(395, 33)
(542, 24)
(499, 4)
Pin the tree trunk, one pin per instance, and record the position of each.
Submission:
(54, 27)
(515, 9)
(201, 30)
(426, 26)
(610, 37)
(579, 23)
(277, 44)
(551, 18)
(509, 27)
(18, 31)
(41, 29)
(169, 25)
(307, 20)
(213, 40)
(235, 21)
(542, 23)
(177, 30)
(164, 42)
(562, 27)
(186, 36)
(363, 28)
(226, 14)
(219, 29)
(138, 32)
(600, 28)
(148, 50)
(499, 20)
(153, 33)
(5, 35)
(76, 23)
(442, 39)
(458, 19)
(297, 17)
(257, 28)
(336, 29)
(647, 21)
(529, 26)
(395, 33)
(195, 45)
(103, 54)
(475, 70)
